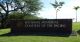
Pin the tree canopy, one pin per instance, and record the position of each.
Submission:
(31, 6)
(21, 6)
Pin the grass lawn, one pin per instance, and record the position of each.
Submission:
(76, 26)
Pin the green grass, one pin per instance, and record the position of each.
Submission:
(76, 26)
(39, 38)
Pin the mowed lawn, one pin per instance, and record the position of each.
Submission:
(76, 26)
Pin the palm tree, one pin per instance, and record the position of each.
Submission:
(76, 8)
(57, 6)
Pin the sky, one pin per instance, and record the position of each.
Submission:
(66, 12)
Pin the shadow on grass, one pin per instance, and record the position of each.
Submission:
(78, 32)
(36, 34)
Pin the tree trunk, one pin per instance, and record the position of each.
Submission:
(2, 24)
(76, 15)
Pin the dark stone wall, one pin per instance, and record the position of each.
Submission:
(42, 26)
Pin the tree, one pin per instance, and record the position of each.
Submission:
(57, 6)
(76, 8)
(17, 15)
(23, 6)
(7, 6)
(32, 6)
